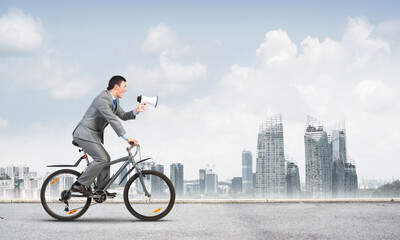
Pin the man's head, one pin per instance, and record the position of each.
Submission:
(117, 86)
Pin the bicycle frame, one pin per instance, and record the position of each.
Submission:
(127, 159)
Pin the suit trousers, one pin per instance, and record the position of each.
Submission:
(97, 168)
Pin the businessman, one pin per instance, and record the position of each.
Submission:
(104, 110)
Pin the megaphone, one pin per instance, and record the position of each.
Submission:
(150, 100)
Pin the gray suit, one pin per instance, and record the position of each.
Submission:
(89, 134)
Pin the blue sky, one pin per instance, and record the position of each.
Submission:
(220, 69)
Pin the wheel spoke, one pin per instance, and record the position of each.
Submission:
(149, 208)
(57, 199)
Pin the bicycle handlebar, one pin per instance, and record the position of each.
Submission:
(132, 146)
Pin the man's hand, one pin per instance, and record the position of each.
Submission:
(141, 107)
(134, 141)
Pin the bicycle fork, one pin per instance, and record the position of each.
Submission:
(146, 193)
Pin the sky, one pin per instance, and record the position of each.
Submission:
(220, 69)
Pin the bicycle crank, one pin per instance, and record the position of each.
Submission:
(99, 196)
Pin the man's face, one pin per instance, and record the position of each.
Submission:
(120, 90)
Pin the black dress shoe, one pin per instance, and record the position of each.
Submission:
(81, 189)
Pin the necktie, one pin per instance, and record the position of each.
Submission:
(115, 104)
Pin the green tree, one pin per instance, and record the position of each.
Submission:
(388, 190)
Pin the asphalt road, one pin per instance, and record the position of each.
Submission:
(210, 221)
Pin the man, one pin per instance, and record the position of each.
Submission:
(89, 133)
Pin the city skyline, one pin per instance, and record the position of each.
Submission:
(219, 69)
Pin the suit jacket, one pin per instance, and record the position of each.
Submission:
(99, 114)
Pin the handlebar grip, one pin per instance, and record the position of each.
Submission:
(131, 142)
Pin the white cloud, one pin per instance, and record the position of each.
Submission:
(61, 80)
(169, 75)
(167, 78)
(374, 94)
(20, 32)
(361, 42)
(277, 48)
(159, 39)
(3, 123)
(179, 72)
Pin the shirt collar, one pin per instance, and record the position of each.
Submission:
(112, 95)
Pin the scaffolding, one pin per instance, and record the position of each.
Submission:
(350, 178)
(318, 160)
(292, 178)
(270, 164)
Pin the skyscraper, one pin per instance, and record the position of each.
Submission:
(211, 181)
(270, 168)
(176, 172)
(292, 180)
(318, 160)
(208, 181)
(247, 171)
(202, 181)
(157, 185)
(339, 158)
(350, 179)
(237, 184)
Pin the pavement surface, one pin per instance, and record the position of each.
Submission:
(297, 220)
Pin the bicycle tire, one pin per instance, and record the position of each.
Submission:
(46, 192)
(166, 200)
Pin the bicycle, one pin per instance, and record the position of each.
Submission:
(148, 195)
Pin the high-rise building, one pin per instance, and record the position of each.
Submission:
(157, 184)
(202, 181)
(270, 166)
(208, 181)
(211, 181)
(247, 171)
(292, 180)
(176, 172)
(237, 184)
(350, 179)
(318, 160)
(339, 158)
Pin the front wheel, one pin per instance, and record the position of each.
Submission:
(154, 207)
(57, 199)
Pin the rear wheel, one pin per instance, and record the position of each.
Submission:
(57, 199)
(154, 207)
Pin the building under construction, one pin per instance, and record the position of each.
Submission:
(318, 160)
(270, 166)
(339, 159)
(350, 179)
(329, 170)
(292, 179)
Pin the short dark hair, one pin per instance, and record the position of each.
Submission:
(115, 80)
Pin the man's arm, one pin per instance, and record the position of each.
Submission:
(125, 115)
(131, 114)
